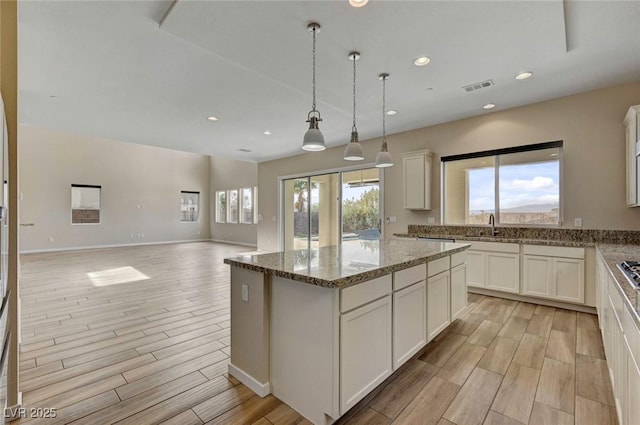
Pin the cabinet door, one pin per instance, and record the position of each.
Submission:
(458, 290)
(409, 322)
(438, 314)
(476, 269)
(537, 275)
(365, 350)
(631, 405)
(568, 279)
(631, 165)
(414, 182)
(503, 272)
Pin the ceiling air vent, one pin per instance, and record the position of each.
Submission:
(244, 150)
(478, 86)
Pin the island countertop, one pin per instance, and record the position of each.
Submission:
(346, 264)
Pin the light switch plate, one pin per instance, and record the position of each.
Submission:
(577, 222)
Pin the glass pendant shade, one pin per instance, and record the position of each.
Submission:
(313, 139)
(353, 151)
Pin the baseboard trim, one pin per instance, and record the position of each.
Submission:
(16, 411)
(259, 388)
(533, 300)
(80, 248)
(234, 243)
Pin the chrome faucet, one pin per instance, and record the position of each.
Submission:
(492, 222)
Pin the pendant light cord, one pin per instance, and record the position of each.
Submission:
(354, 92)
(313, 105)
(384, 115)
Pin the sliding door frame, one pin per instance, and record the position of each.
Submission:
(308, 175)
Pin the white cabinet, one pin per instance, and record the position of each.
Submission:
(537, 273)
(476, 269)
(416, 175)
(553, 272)
(438, 307)
(503, 272)
(568, 283)
(365, 350)
(458, 290)
(409, 322)
(632, 131)
(632, 391)
(494, 265)
(621, 339)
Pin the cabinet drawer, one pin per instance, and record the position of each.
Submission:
(364, 292)
(631, 334)
(409, 276)
(513, 248)
(438, 266)
(553, 251)
(458, 258)
(616, 299)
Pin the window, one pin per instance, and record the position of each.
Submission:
(189, 203)
(520, 185)
(246, 208)
(221, 206)
(232, 216)
(85, 204)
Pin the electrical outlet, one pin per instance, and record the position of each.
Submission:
(245, 293)
(431, 220)
(393, 219)
(577, 222)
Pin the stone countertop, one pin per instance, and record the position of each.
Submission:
(549, 242)
(347, 264)
(615, 254)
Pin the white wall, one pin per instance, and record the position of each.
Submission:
(140, 191)
(590, 124)
(230, 174)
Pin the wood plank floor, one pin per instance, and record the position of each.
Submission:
(140, 335)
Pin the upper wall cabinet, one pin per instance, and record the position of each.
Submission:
(632, 126)
(416, 169)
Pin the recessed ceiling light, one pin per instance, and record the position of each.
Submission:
(392, 112)
(212, 118)
(358, 3)
(489, 106)
(267, 133)
(524, 75)
(422, 61)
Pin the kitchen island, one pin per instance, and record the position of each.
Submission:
(321, 328)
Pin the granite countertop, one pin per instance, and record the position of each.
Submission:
(347, 264)
(505, 239)
(615, 254)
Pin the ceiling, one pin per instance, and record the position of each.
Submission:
(151, 72)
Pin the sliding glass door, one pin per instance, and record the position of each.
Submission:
(321, 209)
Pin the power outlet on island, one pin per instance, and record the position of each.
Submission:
(245, 293)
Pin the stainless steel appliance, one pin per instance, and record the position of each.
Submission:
(631, 270)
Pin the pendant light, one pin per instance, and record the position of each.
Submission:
(313, 139)
(383, 159)
(353, 151)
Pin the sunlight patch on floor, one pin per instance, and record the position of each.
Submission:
(116, 276)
